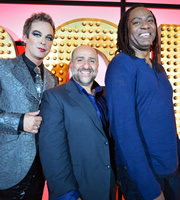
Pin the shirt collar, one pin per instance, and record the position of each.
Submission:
(98, 88)
(29, 63)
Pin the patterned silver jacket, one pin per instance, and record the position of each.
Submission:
(17, 96)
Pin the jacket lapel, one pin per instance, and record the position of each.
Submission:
(85, 104)
(48, 80)
(22, 74)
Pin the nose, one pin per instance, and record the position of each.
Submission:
(86, 64)
(43, 41)
(145, 25)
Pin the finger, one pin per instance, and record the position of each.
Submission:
(38, 122)
(37, 127)
(34, 131)
(38, 118)
(34, 113)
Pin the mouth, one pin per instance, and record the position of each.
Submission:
(42, 50)
(85, 73)
(145, 35)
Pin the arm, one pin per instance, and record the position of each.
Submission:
(120, 93)
(9, 122)
(178, 148)
(53, 146)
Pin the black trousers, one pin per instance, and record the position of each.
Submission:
(30, 188)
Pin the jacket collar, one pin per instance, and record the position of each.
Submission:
(84, 103)
(22, 74)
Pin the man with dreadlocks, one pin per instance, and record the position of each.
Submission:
(142, 121)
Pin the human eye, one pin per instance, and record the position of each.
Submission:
(151, 20)
(49, 37)
(92, 60)
(136, 22)
(79, 59)
(36, 34)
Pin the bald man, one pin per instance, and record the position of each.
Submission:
(74, 135)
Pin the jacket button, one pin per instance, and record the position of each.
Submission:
(107, 166)
(106, 143)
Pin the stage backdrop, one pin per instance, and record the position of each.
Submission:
(12, 17)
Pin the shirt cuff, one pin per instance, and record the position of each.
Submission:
(20, 127)
(73, 195)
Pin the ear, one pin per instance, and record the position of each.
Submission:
(70, 65)
(24, 38)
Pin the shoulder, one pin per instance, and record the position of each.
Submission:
(4, 61)
(8, 63)
(60, 90)
(162, 70)
(121, 58)
(51, 79)
(58, 94)
(57, 89)
(50, 74)
(122, 63)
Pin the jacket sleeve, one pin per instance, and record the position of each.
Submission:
(9, 122)
(53, 148)
(120, 94)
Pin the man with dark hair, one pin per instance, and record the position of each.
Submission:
(43, 17)
(22, 81)
(142, 121)
(73, 142)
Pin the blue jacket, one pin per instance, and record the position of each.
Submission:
(73, 146)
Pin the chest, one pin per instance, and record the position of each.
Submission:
(150, 83)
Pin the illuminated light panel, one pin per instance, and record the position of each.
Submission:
(100, 34)
(170, 59)
(7, 45)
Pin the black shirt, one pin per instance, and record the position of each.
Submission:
(30, 65)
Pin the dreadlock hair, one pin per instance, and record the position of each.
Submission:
(123, 39)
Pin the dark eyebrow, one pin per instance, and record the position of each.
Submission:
(150, 16)
(49, 35)
(93, 58)
(36, 31)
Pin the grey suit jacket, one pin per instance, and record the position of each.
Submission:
(17, 96)
(73, 147)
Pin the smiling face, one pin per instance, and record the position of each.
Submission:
(39, 41)
(142, 29)
(84, 66)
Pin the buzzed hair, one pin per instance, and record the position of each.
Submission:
(72, 55)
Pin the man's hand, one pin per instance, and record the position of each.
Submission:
(79, 198)
(161, 197)
(32, 122)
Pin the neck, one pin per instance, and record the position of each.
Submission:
(37, 62)
(89, 89)
(145, 55)
(142, 54)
